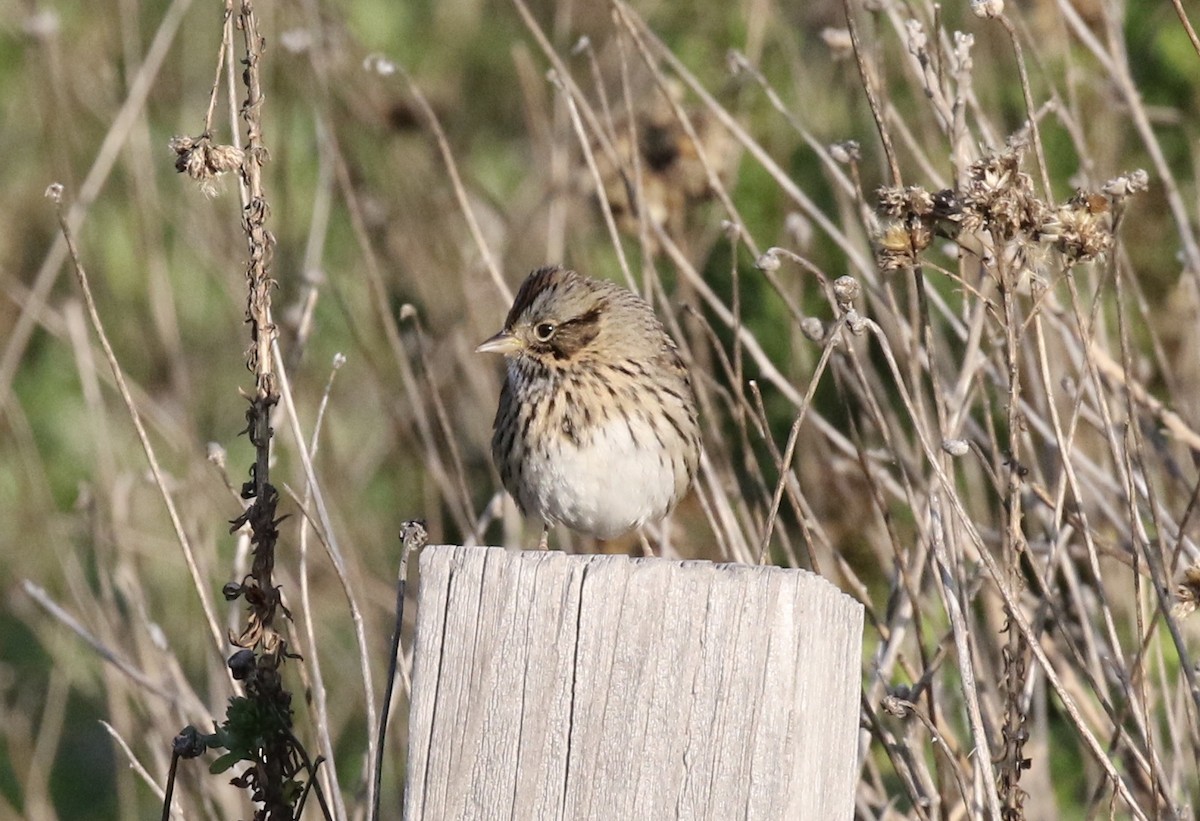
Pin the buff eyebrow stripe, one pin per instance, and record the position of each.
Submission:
(588, 318)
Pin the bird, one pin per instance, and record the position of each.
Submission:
(597, 425)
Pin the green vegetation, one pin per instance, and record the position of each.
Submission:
(941, 492)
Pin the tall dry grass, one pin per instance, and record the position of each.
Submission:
(942, 329)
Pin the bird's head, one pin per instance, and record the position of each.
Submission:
(558, 316)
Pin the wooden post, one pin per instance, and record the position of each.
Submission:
(549, 686)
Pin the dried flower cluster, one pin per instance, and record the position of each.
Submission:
(1187, 593)
(204, 161)
(997, 205)
(672, 175)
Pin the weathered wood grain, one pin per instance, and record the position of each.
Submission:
(549, 686)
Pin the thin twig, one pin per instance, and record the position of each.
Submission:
(868, 84)
(55, 193)
(412, 537)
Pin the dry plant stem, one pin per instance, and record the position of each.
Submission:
(832, 168)
(1136, 671)
(789, 451)
(148, 201)
(597, 181)
(460, 192)
(560, 163)
(639, 180)
(950, 593)
(391, 329)
(714, 182)
(277, 757)
(306, 299)
(999, 580)
(328, 538)
(1013, 549)
(433, 390)
(88, 370)
(1062, 441)
(852, 250)
(1116, 65)
(231, 87)
(907, 561)
(708, 413)
(739, 370)
(89, 189)
(40, 596)
(222, 52)
(1154, 559)
(868, 86)
(720, 514)
(936, 737)
(1098, 675)
(137, 766)
(585, 45)
(1085, 332)
(922, 357)
(34, 772)
(900, 757)
(1187, 25)
(564, 75)
(1038, 152)
(312, 656)
(104, 527)
(159, 479)
(795, 496)
(258, 309)
(413, 538)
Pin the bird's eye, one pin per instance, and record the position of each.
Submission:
(543, 331)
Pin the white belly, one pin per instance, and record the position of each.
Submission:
(619, 480)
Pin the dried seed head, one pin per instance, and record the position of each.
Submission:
(997, 196)
(813, 329)
(190, 743)
(1187, 594)
(737, 63)
(1080, 228)
(846, 291)
(204, 161)
(378, 64)
(894, 249)
(768, 261)
(904, 202)
(800, 229)
(895, 706)
(1118, 188)
(987, 9)
(846, 152)
(838, 41)
(956, 447)
(996, 202)
(917, 38)
(215, 454)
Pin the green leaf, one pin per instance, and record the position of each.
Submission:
(224, 763)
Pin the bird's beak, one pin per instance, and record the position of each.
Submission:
(503, 342)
